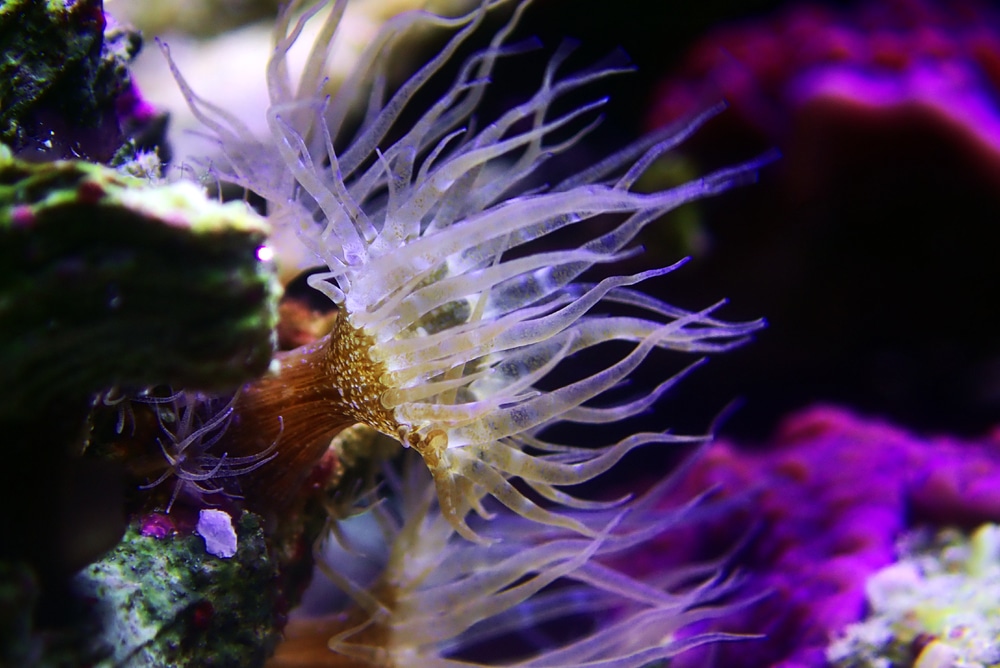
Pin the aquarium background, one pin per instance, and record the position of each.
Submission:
(860, 424)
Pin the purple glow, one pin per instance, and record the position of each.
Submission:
(951, 90)
(881, 56)
(829, 497)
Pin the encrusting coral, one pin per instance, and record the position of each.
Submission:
(92, 296)
(446, 328)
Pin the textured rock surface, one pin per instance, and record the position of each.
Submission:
(108, 279)
(168, 602)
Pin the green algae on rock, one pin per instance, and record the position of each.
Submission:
(62, 69)
(167, 602)
(108, 279)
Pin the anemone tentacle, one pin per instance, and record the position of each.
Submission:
(192, 427)
(427, 604)
(454, 307)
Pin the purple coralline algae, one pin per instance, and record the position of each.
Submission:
(941, 59)
(216, 527)
(830, 496)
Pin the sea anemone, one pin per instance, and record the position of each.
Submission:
(191, 424)
(541, 597)
(450, 317)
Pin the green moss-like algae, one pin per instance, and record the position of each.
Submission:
(167, 602)
(60, 76)
(107, 279)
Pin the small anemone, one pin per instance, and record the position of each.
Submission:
(191, 425)
(544, 590)
(455, 310)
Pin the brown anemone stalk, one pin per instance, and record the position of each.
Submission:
(313, 393)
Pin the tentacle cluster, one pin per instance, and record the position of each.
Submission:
(437, 595)
(191, 424)
(454, 315)
(461, 309)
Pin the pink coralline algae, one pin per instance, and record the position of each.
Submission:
(827, 501)
(941, 59)
(157, 525)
